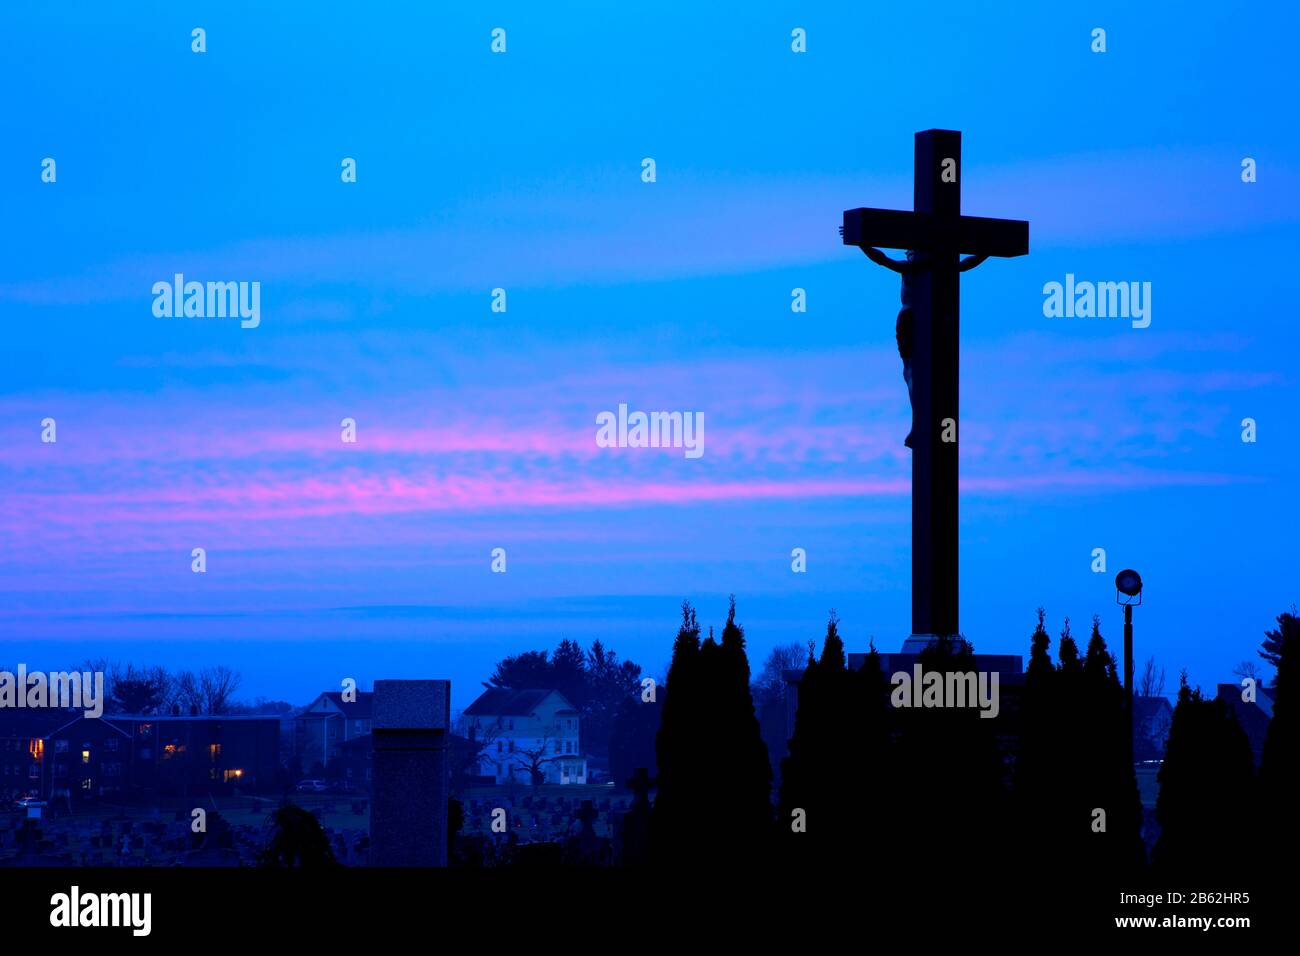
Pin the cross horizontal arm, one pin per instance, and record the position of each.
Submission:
(924, 232)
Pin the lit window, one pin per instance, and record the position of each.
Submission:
(85, 756)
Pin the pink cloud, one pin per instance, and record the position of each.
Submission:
(131, 473)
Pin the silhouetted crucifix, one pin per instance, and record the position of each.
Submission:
(936, 235)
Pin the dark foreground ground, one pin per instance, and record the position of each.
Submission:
(646, 910)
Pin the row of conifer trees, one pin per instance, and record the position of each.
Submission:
(1049, 788)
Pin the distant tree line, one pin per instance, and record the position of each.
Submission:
(154, 690)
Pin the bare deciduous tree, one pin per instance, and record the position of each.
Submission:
(218, 685)
(532, 761)
(210, 691)
(187, 695)
(1249, 669)
(1152, 681)
(769, 684)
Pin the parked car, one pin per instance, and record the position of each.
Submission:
(312, 786)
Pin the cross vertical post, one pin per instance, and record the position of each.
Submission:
(938, 234)
(935, 373)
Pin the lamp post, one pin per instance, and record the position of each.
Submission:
(1128, 592)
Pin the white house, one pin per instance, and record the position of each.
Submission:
(523, 731)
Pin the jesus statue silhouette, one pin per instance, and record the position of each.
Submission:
(903, 328)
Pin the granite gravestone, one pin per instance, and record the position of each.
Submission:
(408, 809)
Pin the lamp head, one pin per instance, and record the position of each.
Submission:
(1129, 583)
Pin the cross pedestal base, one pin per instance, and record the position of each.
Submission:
(916, 643)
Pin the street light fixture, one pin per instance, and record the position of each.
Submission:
(1128, 592)
(1128, 583)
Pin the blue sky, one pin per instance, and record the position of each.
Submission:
(476, 429)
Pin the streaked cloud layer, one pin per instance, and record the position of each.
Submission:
(476, 429)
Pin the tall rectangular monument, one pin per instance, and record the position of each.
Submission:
(408, 808)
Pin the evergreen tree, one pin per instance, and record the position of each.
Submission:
(1073, 760)
(138, 690)
(745, 774)
(1040, 657)
(1072, 810)
(612, 685)
(677, 823)
(1206, 790)
(713, 805)
(1279, 767)
(1288, 627)
(530, 670)
(1105, 759)
(1039, 757)
(1069, 653)
(812, 780)
(569, 673)
(873, 777)
(296, 840)
(1098, 665)
(838, 773)
(951, 773)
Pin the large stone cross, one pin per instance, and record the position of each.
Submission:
(939, 234)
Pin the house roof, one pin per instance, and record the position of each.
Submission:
(1144, 708)
(503, 702)
(78, 719)
(1253, 716)
(358, 709)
